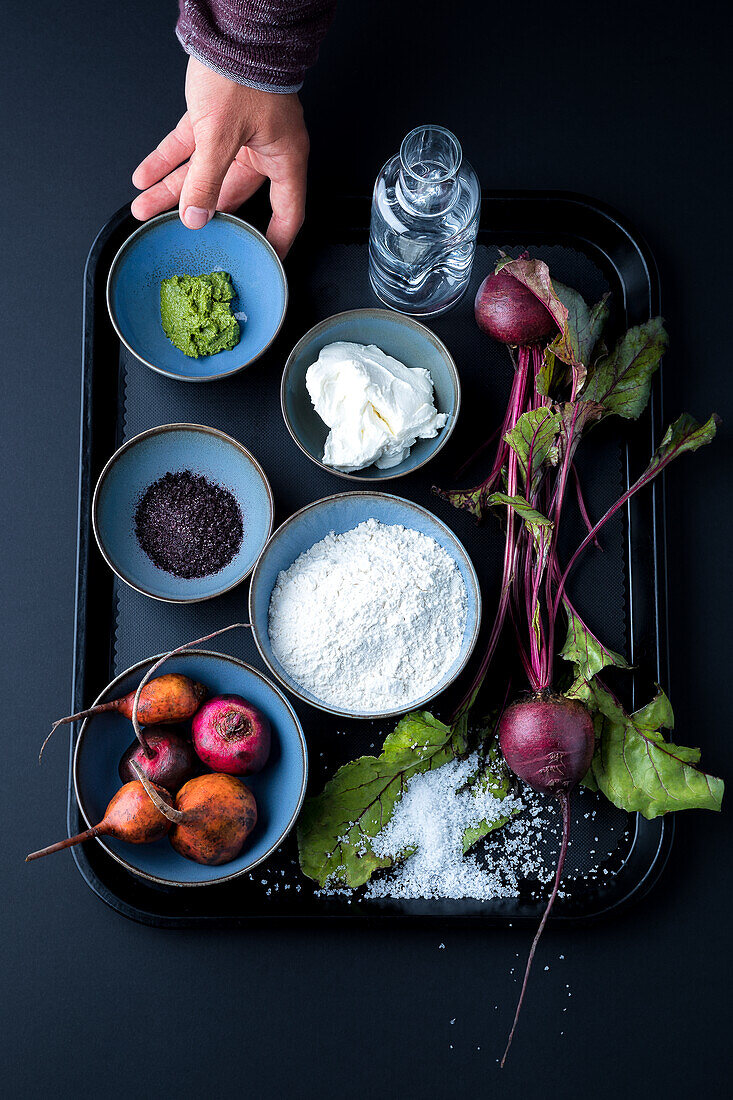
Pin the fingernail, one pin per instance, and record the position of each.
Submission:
(195, 217)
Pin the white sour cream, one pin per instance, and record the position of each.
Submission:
(375, 406)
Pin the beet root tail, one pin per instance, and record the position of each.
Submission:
(88, 834)
(565, 803)
(99, 709)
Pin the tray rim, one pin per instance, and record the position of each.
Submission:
(636, 244)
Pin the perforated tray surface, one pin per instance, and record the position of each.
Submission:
(614, 856)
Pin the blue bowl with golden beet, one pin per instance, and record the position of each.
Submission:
(278, 789)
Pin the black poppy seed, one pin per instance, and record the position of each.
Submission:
(188, 525)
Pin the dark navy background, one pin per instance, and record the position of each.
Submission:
(627, 102)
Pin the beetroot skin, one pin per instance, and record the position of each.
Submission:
(548, 742)
(171, 762)
(231, 735)
(507, 310)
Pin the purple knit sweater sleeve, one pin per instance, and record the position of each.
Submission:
(266, 44)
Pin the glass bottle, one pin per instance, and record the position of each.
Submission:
(425, 215)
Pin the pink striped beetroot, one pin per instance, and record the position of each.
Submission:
(231, 735)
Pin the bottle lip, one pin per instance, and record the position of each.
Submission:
(454, 154)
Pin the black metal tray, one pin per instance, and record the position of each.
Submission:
(614, 857)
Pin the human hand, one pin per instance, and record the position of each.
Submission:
(229, 141)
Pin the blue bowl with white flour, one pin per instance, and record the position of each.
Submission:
(340, 514)
(163, 247)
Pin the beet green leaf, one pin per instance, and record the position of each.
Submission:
(621, 381)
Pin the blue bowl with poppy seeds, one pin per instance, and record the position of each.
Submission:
(175, 449)
(163, 247)
(278, 788)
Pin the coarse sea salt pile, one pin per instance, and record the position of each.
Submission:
(371, 619)
(432, 816)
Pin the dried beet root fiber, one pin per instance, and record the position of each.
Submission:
(188, 525)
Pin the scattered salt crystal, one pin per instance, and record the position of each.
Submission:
(432, 817)
(441, 947)
(453, 1020)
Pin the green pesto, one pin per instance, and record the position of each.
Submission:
(195, 311)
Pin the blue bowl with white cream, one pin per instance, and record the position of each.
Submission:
(381, 333)
(163, 247)
(342, 514)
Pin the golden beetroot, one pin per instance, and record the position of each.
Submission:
(219, 812)
(168, 698)
(130, 816)
(212, 818)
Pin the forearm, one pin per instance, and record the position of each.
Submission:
(267, 44)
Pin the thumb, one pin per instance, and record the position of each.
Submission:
(208, 166)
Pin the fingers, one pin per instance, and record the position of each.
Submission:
(161, 196)
(176, 147)
(287, 198)
(209, 164)
(240, 183)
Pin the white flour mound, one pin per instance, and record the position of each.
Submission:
(369, 620)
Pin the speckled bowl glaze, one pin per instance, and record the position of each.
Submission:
(163, 247)
(278, 789)
(147, 457)
(396, 335)
(340, 513)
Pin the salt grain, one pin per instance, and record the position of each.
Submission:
(432, 817)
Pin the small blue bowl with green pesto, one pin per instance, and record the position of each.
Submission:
(396, 335)
(163, 248)
(171, 449)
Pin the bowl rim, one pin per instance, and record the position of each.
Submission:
(146, 227)
(139, 666)
(360, 715)
(398, 318)
(157, 430)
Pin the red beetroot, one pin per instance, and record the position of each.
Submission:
(169, 760)
(509, 311)
(548, 741)
(231, 735)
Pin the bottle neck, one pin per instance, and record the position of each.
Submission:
(430, 158)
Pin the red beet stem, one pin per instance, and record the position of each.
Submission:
(565, 803)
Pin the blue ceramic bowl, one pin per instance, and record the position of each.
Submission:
(278, 789)
(402, 337)
(164, 247)
(342, 513)
(149, 456)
